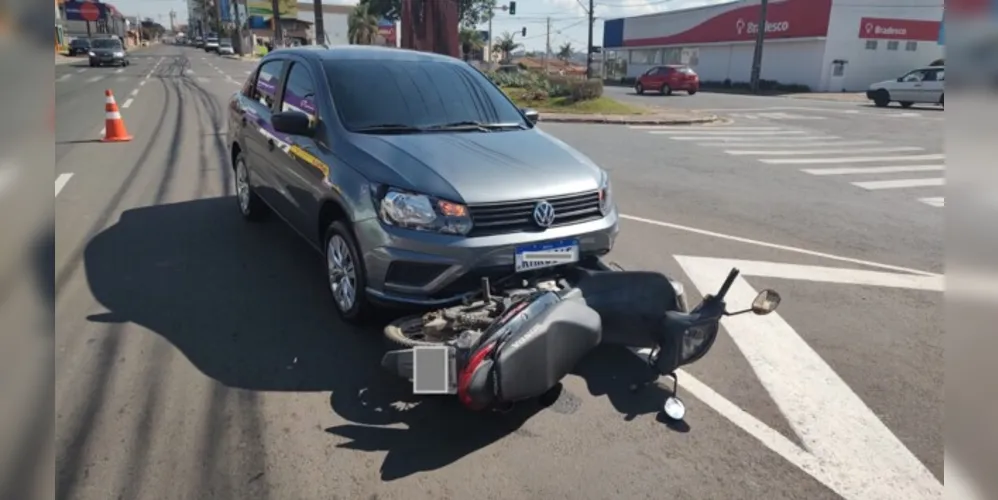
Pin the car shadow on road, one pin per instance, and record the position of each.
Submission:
(247, 304)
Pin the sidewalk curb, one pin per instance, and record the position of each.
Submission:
(591, 119)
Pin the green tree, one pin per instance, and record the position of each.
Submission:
(504, 46)
(471, 40)
(566, 51)
(362, 25)
(470, 12)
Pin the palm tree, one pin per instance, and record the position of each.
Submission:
(471, 40)
(565, 52)
(505, 45)
(362, 26)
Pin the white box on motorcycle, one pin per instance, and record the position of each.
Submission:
(434, 370)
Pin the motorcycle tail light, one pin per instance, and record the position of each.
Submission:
(466, 375)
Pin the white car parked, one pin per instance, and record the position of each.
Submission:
(922, 86)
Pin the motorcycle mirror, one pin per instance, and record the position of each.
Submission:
(766, 302)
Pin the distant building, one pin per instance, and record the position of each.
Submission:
(107, 19)
(334, 18)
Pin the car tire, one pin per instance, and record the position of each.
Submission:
(639, 89)
(250, 205)
(345, 271)
(691, 92)
(906, 104)
(881, 98)
(92, 64)
(666, 89)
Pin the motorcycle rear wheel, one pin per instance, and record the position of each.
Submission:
(408, 332)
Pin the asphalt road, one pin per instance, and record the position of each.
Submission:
(199, 357)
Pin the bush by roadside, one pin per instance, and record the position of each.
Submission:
(536, 86)
(764, 85)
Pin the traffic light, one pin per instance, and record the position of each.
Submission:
(524, 31)
(512, 8)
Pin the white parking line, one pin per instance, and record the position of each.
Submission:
(873, 170)
(60, 182)
(900, 183)
(791, 144)
(855, 159)
(935, 202)
(127, 103)
(800, 152)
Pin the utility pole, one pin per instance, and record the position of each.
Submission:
(547, 51)
(239, 29)
(275, 5)
(320, 25)
(760, 37)
(589, 48)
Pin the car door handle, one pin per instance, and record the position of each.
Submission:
(270, 144)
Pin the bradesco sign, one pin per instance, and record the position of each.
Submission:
(899, 29)
(740, 22)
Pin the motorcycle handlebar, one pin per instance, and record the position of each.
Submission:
(728, 282)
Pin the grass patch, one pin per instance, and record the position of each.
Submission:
(600, 105)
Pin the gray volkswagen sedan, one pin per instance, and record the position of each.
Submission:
(412, 173)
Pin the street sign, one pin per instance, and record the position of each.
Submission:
(89, 11)
(845, 445)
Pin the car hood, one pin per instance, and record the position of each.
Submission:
(482, 167)
(880, 85)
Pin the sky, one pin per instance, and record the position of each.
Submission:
(568, 17)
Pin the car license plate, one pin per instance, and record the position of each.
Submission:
(434, 370)
(549, 254)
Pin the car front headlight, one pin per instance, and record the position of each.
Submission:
(423, 213)
(91, 53)
(119, 54)
(605, 196)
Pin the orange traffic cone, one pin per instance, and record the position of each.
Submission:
(114, 126)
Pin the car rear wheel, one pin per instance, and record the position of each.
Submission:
(881, 99)
(691, 92)
(345, 274)
(666, 89)
(639, 89)
(251, 206)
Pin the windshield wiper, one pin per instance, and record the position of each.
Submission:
(474, 125)
(399, 128)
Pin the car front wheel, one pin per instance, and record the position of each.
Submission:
(639, 89)
(881, 99)
(346, 274)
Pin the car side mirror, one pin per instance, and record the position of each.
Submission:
(900, 79)
(292, 122)
(531, 115)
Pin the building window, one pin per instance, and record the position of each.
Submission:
(871, 45)
(892, 45)
(911, 46)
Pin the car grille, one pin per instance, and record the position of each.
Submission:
(518, 216)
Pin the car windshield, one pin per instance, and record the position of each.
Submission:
(212, 40)
(81, 43)
(106, 43)
(225, 42)
(373, 93)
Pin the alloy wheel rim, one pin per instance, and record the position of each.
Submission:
(342, 272)
(242, 187)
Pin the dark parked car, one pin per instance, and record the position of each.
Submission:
(411, 172)
(666, 79)
(79, 47)
(108, 51)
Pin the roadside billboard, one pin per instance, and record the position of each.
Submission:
(263, 8)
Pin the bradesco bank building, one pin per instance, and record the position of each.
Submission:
(827, 45)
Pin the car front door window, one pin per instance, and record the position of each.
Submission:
(303, 173)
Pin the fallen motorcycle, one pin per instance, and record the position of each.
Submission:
(517, 343)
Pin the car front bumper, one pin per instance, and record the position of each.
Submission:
(870, 94)
(107, 60)
(426, 269)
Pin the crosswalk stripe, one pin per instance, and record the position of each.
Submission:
(95, 78)
(900, 183)
(801, 152)
(707, 133)
(804, 140)
(873, 170)
(935, 202)
(791, 144)
(855, 159)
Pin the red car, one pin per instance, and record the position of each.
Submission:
(668, 78)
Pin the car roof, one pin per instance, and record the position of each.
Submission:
(362, 52)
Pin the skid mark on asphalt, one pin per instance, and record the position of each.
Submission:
(784, 146)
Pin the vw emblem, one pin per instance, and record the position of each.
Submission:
(544, 214)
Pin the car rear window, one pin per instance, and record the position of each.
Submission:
(415, 93)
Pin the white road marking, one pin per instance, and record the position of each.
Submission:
(142, 82)
(873, 170)
(60, 182)
(801, 152)
(857, 159)
(733, 133)
(850, 450)
(119, 70)
(900, 183)
(775, 246)
(760, 140)
(793, 144)
(103, 131)
(7, 177)
(202, 79)
(134, 92)
(189, 72)
(904, 115)
(935, 202)
(63, 77)
(81, 70)
(127, 103)
(93, 79)
(148, 75)
(248, 72)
